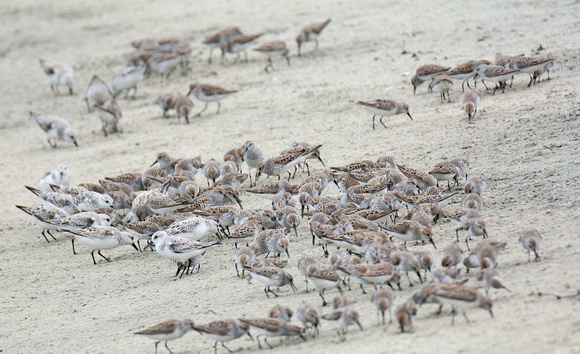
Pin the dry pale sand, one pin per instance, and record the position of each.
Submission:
(525, 141)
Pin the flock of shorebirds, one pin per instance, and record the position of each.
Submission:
(441, 78)
(161, 57)
(381, 207)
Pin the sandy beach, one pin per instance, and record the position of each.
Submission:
(526, 142)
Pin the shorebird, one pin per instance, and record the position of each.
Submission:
(384, 108)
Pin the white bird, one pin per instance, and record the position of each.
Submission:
(55, 128)
(59, 176)
(178, 248)
(102, 238)
(194, 228)
(59, 74)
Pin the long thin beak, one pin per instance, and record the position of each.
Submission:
(188, 93)
(287, 253)
(296, 232)
(296, 290)
(322, 162)
(410, 116)
(304, 338)
(135, 246)
(491, 313)
(153, 163)
(249, 335)
(76, 144)
(361, 327)
(485, 233)
(433, 243)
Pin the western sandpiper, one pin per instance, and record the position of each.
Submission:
(272, 327)
(310, 33)
(383, 300)
(465, 71)
(341, 319)
(469, 100)
(462, 298)
(310, 316)
(384, 108)
(530, 241)
(426, 72)
(495, 73)
(237, 44)
(166, 331)
(209, 93)
(217, 39)
(443, 85)
(271, 276)
(273, 48)
(223, 331)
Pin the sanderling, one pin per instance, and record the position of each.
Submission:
(59, 74)
(55, 128)
(46, 216)
(102, 238)
(60, 176)
(110, 116)
(60, 200)
(178, 248)
(98, 92)
(128, 79)
(194, 228)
